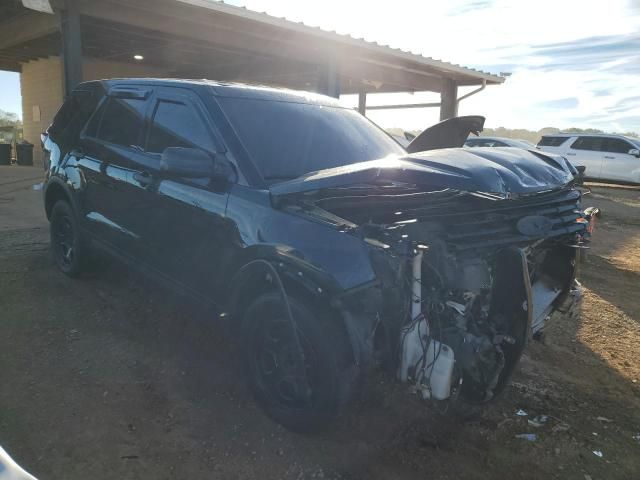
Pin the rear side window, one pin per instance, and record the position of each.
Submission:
(616, 145)
(177, 124)
(72, 116)
(595, 144)
(547, 141)
(119, 121)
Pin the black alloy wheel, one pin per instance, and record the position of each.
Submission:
(66, 244)
(303, 391)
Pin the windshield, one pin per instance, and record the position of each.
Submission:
(634, 141)
(286, 140)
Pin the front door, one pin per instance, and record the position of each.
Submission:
(617, 164)
(183, 226)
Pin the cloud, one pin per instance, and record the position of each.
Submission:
(574, 62)
(472, 7)
(570, 102)
(627, 104)
(618, 53)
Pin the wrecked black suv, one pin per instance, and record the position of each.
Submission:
(330, 249)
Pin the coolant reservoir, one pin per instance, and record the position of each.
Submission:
(438, 370)
(433, 371)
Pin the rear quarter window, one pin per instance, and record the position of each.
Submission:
(548, 141)
(72, 116)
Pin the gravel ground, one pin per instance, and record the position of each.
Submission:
(113, 377)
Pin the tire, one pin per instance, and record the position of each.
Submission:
(307, 402)
(67, 247)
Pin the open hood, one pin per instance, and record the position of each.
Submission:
(450, 133)
(504, 172)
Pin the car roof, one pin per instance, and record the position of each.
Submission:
(569, 134)
(227, 89)
(482, 137)
(502, 139)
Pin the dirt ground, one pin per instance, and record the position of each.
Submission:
(113, 377)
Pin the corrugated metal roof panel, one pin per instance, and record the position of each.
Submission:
(283, 22)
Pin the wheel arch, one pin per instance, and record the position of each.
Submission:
(301, 281)
(56, 190)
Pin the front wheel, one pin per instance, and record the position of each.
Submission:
(303, 394)
(67, 247)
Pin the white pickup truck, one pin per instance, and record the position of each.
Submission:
(614, 158)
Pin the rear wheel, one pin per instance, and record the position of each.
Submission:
(68, 250)
(303, 394)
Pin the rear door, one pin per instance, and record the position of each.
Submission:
(109, 143)
(617, 164)
(588, 152)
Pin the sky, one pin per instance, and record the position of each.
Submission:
(573, 63)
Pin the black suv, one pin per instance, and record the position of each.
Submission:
(330, 248)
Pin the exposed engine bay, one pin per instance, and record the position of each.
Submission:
(465, 279)
(472, 252)
(469, 321)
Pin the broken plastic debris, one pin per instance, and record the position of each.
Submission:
(530, 437)
(538, 421)
(598, 453)
(521, 413)
(37, 186)
(561, 427)
(636, 437)
(604, 419)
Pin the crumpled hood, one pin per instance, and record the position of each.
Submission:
(501, 171)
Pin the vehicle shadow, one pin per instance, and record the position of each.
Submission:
(619, 286)
(141, 383)
(389, 432)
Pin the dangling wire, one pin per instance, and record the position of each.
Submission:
(288, 313)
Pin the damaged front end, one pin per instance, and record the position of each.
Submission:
(472, 253)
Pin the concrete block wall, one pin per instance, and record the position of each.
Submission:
(42, 89)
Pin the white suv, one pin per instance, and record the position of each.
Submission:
(607, 157)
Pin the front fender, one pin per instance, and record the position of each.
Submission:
(250, 276)
(323, 249)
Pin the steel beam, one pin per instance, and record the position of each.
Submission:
(406, 105)
(362, 102)
(71, 46)
(448, 99)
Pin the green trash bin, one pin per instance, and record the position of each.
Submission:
(24, 153)
(5, 154)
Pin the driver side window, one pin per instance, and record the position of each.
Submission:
(616, 145)
(177, 124)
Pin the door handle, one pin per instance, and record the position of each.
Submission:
(572, 154)
(143, 178)
(609, 157)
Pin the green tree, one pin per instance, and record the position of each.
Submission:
(9, 119)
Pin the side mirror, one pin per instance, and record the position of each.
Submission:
(186, 162)
(635, 152)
